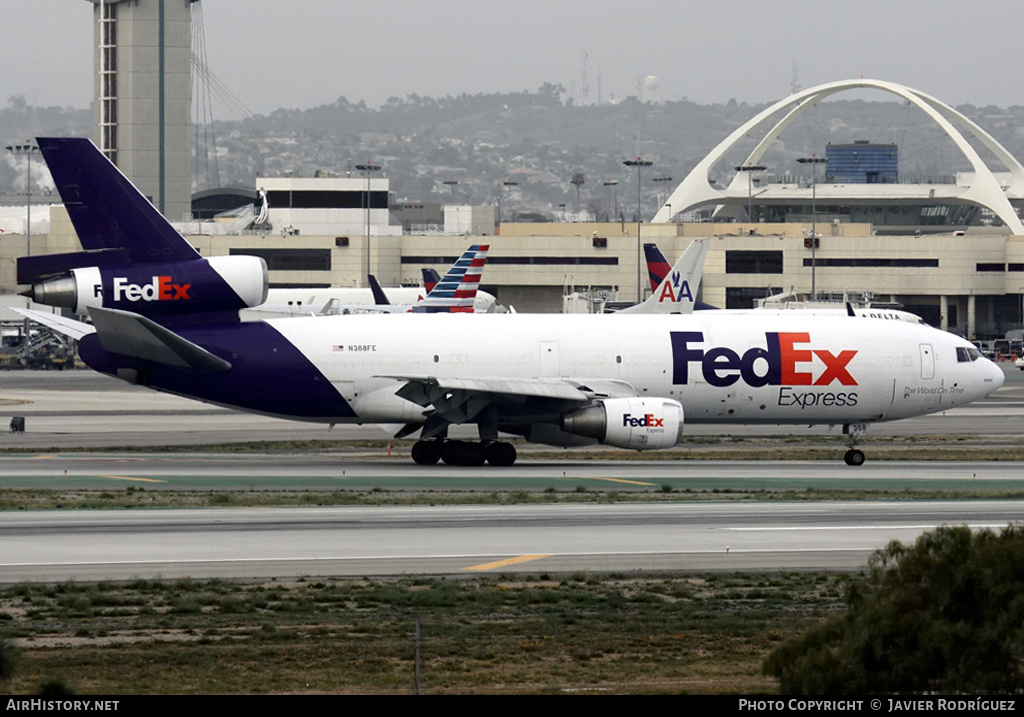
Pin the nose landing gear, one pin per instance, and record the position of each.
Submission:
(854, 456)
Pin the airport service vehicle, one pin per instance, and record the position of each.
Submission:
(166, 318)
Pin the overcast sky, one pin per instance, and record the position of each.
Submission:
(304, 53)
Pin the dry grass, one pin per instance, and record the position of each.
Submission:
(547, 634)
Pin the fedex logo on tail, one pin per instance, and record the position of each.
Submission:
(783, 362)
(160, 289)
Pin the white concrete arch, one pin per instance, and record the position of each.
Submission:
(695, 190)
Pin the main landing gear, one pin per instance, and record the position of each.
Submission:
(854, 456)
(463, 453)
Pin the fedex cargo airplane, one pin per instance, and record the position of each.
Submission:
(166, 318)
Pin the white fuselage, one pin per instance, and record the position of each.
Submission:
(791, 367)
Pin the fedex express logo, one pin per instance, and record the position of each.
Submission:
(783, 362)
(648, 420)
(160, 289)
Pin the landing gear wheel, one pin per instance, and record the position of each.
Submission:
(462, 453)
(426, 453)
(854, 457)
(500, 454)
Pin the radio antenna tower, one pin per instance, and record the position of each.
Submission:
(584, 91)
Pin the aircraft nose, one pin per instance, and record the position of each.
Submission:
(998, 377)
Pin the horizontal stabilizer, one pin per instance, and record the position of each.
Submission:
(130, 334)
(61, 324)
(43, 266)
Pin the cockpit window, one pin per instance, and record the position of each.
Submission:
(966, 355)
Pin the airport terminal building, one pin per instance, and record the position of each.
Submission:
(967, 282)
(951, 252)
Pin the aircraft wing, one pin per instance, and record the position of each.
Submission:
(130, 334)
(463, 399)
(61, 324)
(425, 390)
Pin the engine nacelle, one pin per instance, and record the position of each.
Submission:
(640, 424)
(220, 283)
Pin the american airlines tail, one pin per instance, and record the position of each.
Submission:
(676, 293)
(456, 292)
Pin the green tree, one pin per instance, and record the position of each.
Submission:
(945, 615)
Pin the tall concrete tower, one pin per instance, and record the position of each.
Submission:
(143, 95)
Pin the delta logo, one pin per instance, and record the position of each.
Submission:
(160, 289)
(648, 420)
(784, 361)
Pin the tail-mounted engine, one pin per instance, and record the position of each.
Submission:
(216, 284)
(635, 423)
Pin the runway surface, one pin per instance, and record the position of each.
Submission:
(217, 471)
(467, 540)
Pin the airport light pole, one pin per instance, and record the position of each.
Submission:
(612, 191)
(509, 183)
(814, 160)
(639, 163)
(750, 169)
(368, 168)
(578, 181)
(664, 179)
(26, 150)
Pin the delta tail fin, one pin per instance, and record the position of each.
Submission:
(657, 265)
(430, 279)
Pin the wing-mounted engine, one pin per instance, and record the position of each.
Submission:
(635, 423)
(159, 290)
